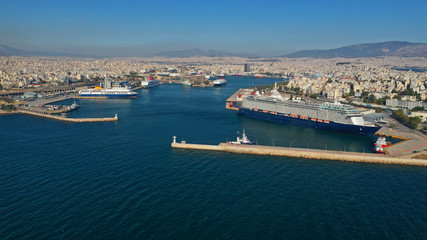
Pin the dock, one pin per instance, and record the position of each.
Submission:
(302, 153)
(413, 142)
(59, 98)
(235, 99)
(66, 119)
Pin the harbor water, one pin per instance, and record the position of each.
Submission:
(122, 180)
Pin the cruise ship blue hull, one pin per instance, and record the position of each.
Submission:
(331, 126)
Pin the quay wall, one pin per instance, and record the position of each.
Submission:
(196, 146)
(321, 154)
(304, 153)
(71, 119)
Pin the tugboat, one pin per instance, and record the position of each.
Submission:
(380, 144)
(242, 140)
(73, 106)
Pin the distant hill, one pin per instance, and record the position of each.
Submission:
(394, 48)
(197, 52)
(8, 51)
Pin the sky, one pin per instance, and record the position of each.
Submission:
(270, 28)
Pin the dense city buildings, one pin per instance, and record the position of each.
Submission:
(334, 79)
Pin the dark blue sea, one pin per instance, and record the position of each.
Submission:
(122, 180)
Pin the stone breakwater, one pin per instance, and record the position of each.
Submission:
(112, 119)
(303, 153)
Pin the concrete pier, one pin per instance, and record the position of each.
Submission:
(113, 119)
(413, 142)
(303, 153)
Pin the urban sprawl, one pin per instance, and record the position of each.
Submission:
(383, 83)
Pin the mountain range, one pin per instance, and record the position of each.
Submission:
(197, 52)
(9, 51)
(393, 48)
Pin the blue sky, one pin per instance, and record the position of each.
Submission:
(255, 27)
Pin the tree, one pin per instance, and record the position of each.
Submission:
(8, 107)
(411, 122)
(416, 109)
(314, 96)
(382, 101)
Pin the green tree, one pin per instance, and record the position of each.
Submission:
(8, 107)
(411, 122)
(416, 109)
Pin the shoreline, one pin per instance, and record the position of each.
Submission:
(7, 113)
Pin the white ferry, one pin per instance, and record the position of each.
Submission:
(150, 83)
(115, 92)
(219, 82)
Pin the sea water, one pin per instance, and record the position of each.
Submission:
(122, 180)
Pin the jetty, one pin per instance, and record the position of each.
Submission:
(414, 143)
(301, 153)
(66, 119)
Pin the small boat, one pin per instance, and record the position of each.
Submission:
(243, 140)
(380, 144)
(186, 83)
(219, 82)
(73, 106)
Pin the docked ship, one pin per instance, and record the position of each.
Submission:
(219, 82)
(327, 116)
(150, 83)
(114, 92)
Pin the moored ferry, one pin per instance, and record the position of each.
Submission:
(114, 92)
(219, 82)
(150, 83)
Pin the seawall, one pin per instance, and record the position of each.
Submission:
(304, 153)
(71, 119)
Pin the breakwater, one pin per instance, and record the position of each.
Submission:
(303, 153)
(61, 118)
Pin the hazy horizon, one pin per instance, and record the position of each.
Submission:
(267, 28)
